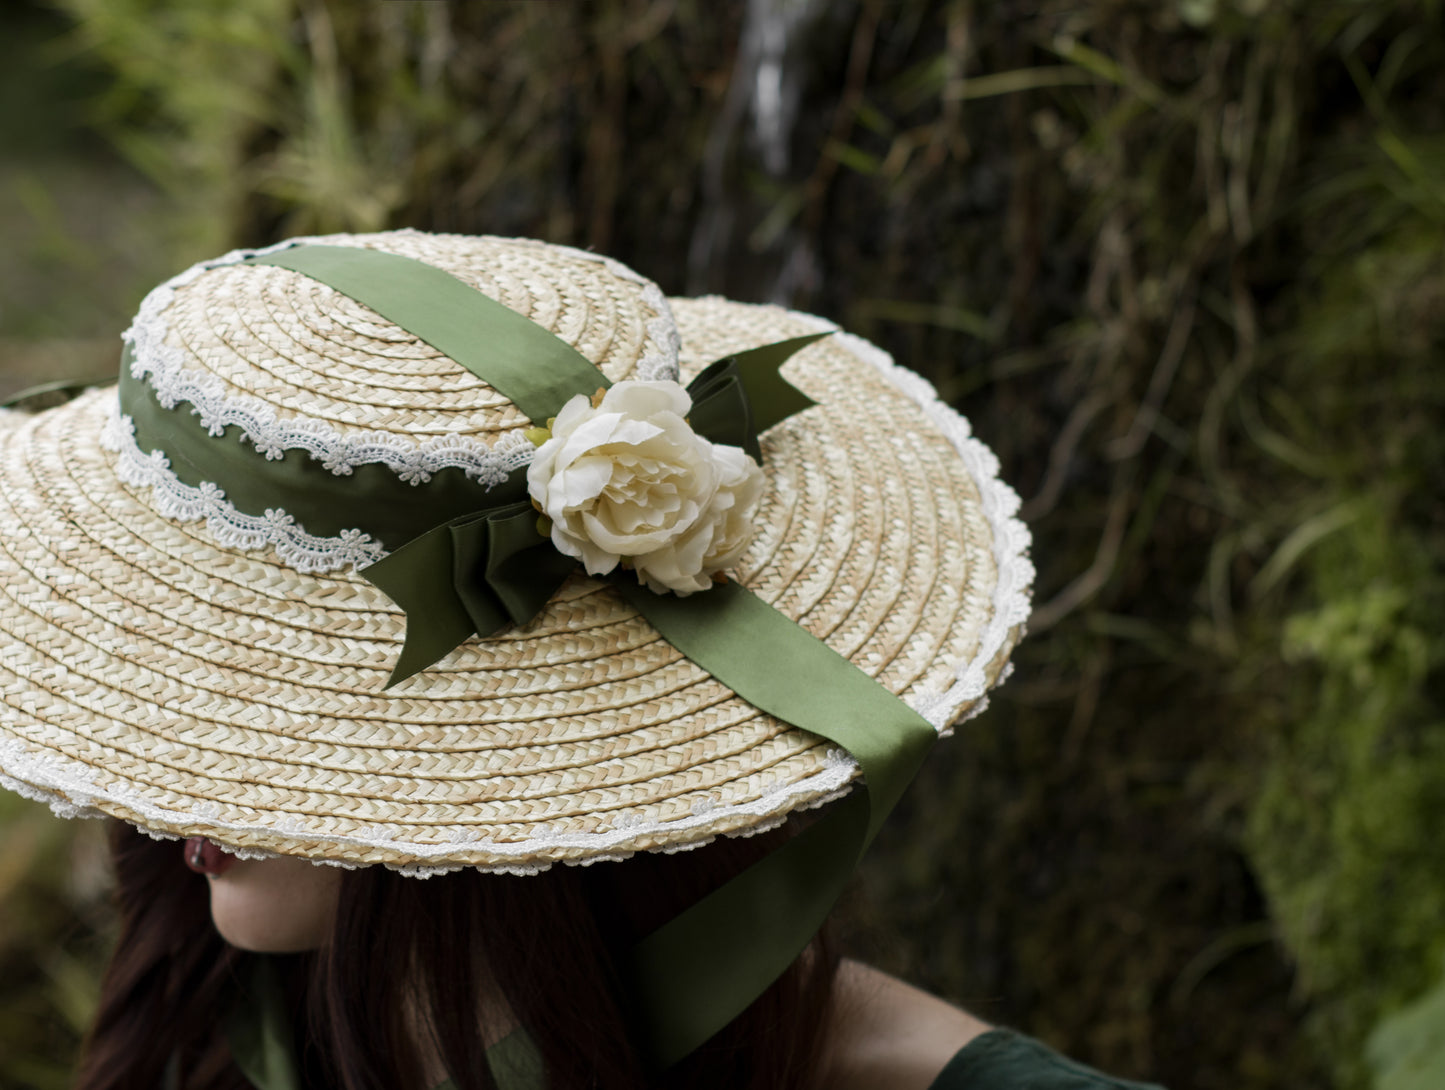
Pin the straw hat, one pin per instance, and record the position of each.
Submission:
(195, 669)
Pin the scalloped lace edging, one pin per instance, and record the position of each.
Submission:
(71, 791)
(163, 366)
(1011, 540)
(174, 499)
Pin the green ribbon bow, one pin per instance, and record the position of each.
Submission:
(488, 566)
(480, 572)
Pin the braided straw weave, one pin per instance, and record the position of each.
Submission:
(152, 671)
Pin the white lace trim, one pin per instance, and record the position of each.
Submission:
(1011, 598)
(1011, 539)
(70, 790)
(163, 366)
(174, 499)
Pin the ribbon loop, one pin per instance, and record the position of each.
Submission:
(720, 411)
(737, 398)
(473, 575)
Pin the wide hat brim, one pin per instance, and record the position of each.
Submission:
(149, 673)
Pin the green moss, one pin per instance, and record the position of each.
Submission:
(1342, 829)
(1407, 1050)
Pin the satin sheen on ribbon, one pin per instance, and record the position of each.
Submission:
(492, 341)
(779, 902)
(478, 573)
(699, 971)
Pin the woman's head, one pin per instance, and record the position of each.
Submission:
(276, 905)
(438, 553)
(410, 971)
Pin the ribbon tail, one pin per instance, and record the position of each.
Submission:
(257, 1029)
(737, 398)
(773, 397)
(741, 937)
(779, 903)
(418, 578)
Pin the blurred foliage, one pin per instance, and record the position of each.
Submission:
(191, 83)
(1356, 771)
(52, 924)
(1183, 266)
(1407, 1050)
(78, 247)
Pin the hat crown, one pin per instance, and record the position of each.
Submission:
(297, 364)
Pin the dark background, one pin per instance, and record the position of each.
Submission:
(1181, 263)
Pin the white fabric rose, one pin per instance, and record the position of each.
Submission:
(628, 479)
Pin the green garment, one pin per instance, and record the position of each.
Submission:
(1000, 1059)
(1003, 1060)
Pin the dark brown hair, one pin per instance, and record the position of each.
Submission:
(549, 944)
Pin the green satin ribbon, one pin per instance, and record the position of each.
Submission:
(257, 1028)
(781, 901)
(492, 341)
(696, 973)
(259, 1035)
(471, 576)
(738, 398)
(478, 573)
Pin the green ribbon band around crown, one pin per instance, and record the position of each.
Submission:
(464, 559)
(699, 971)
(538, 374)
